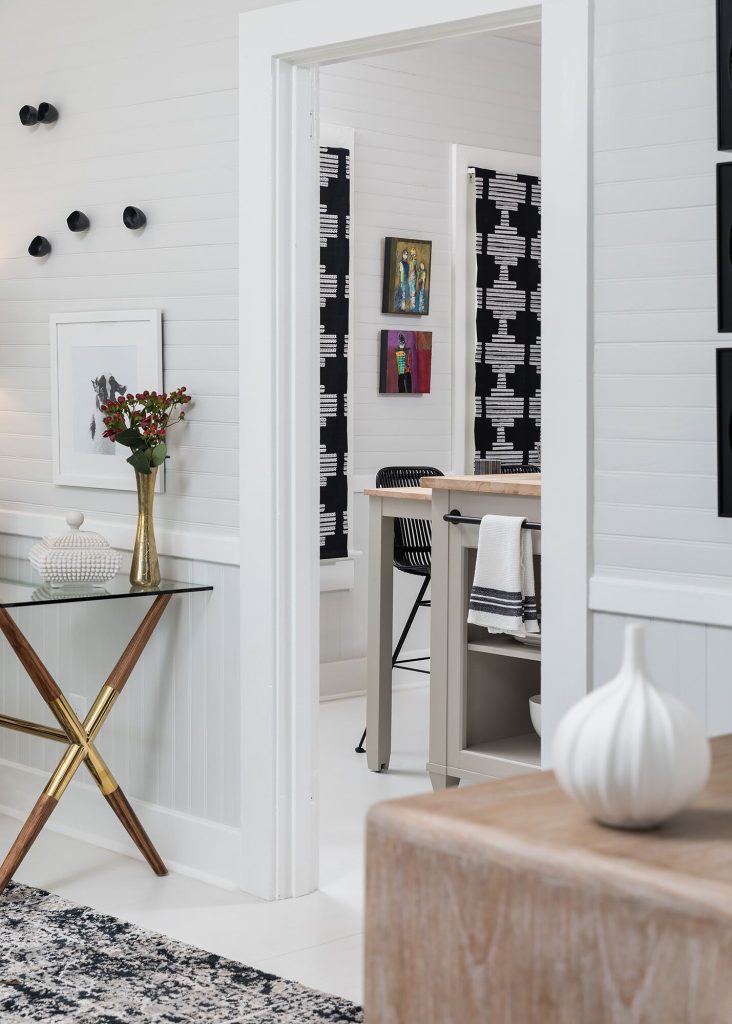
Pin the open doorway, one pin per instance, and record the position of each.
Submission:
(282, 50)
(401, 136)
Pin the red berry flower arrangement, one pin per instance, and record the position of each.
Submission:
(141, 422)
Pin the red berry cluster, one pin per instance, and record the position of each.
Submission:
(147, 414)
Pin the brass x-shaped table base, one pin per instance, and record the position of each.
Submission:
(80, 739)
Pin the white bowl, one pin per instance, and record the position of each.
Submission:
(535, 712)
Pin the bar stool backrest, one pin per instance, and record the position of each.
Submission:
(412, 537)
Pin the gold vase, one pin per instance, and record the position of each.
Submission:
(145, 571)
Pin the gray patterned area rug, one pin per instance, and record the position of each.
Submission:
(60, 962)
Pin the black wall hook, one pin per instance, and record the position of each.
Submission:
(133, 218)
(28, 115)
(40, 246)
(47, 113)
(77, 221)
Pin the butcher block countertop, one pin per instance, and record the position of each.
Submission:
(410, 493)
(523, 484)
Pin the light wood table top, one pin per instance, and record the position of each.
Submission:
(410, 493)
(692, 853)
(504, 902)
(526, 484)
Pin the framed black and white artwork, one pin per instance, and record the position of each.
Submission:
(95, 358)
(724, 432)
(724, 248)
(724, 75)
(508, 316)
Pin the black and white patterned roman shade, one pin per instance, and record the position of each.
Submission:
(508, 320)
(335, 232)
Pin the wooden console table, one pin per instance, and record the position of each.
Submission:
(503, 903)
(79, 736)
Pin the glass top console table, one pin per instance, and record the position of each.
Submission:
(78, 737)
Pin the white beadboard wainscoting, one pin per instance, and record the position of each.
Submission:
(689, 660)
(660, 550)
(172, 740)
(407, 110)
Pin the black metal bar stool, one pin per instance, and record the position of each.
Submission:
(412, 555)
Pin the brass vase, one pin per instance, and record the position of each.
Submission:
(145, 571)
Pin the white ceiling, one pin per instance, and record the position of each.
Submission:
(523, 33)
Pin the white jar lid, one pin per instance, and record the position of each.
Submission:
(76, 537)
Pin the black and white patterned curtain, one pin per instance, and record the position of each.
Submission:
(335, 216)
(508, 319)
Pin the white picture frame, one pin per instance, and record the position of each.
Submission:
(98, 355)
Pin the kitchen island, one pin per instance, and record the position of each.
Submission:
(459, 745)
(480, 683)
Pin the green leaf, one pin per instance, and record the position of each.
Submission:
(129, 438)
(140, 461)
(159, 454)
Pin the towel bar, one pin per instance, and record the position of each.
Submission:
(455, 517)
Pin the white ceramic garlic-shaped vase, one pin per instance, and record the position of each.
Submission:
(629, 754)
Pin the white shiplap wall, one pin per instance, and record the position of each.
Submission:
(655, 298)
(148, 100)
(407, 109)
(661, 553)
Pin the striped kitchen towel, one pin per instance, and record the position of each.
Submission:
(503, 595)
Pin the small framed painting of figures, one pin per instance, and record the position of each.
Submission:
(407, 276)
(96, 358)
(405, 363)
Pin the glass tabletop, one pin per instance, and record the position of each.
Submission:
(15, 594)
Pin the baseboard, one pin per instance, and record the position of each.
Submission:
(333, 673)
(190, 846)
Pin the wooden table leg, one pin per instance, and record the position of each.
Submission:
(121, 807)
(45, 806)
(378, 665)
(81, 738)
(439, 618)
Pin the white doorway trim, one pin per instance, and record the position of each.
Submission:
(280, 49)
(463, 287)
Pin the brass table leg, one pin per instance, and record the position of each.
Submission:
(80, 737)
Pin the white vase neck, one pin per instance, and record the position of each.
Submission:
(634, 655)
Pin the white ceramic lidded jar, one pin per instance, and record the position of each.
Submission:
(76, 558)
(631, 754)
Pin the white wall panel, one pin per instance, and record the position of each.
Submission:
(674, 653)
(659, 545)
(407, 110)
(148, 118)
(719, 690)
(690, 661)
(655, 292)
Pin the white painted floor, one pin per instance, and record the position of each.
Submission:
(316, 940)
